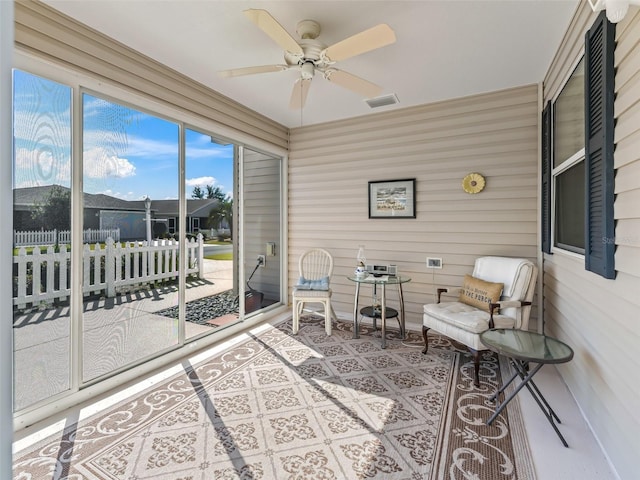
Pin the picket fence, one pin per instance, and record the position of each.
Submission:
(48, 237)
(45, 277)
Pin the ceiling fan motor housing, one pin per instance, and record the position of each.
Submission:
(308, 29)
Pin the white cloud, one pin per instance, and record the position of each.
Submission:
(38, 167)
(208, 152)
(99, 164)
(45, 166)
(200, 181)
(148, 147)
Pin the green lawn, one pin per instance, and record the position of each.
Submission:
(216, 242)
(220, 256)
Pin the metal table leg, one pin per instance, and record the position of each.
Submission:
(383, 316)
(356, 333)
(403, 331)
(527, 381)
(494, 397)
(513, 394)
(542, 402)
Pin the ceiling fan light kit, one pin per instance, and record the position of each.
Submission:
(307, 70)
(311, 55)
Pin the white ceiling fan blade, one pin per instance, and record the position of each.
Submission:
(353, 83)
(271, 27)
(362, 42)
(299, 94)
(237, 72)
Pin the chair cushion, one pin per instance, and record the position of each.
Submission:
(478, 293)
(514, 273)
(319, 284)
(463, 316)
(299, 293)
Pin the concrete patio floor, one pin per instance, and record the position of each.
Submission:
(116, 332)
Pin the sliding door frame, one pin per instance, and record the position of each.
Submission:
(82, 83)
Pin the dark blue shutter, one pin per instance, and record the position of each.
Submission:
(545, 196)
(599, 129)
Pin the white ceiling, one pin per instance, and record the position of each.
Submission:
(444, 49)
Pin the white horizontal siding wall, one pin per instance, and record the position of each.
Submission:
(495, 134)
(598, 317)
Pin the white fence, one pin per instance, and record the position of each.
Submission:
(44, 277)
(48, 237)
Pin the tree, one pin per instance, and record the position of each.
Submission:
(197, 193)
(222, 212)
(55, 212)
(215, 192)
(211, 192)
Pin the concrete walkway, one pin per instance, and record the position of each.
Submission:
(116, 332)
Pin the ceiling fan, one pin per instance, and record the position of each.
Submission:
(310, 55)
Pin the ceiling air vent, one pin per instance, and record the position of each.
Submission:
(382, 101)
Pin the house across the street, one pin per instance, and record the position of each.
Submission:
(103, 212)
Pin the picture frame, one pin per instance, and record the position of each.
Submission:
(392, 198)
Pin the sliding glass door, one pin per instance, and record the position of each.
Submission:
(134, 234)
(262, 223)
(130, 262)
(212, 297)
(41, 222)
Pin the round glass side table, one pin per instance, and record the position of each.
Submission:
(384, 311)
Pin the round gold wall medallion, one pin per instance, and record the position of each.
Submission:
(473, 183)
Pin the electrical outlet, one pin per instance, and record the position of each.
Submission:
(262, 260)
(434, 262)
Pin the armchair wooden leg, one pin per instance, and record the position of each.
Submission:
(327, 317)
(426, 341)
(296, 318)
(476, 367)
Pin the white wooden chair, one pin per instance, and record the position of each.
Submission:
(315, 267)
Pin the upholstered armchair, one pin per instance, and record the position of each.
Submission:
(498, 294)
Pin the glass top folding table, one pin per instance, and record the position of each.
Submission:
(523, 347)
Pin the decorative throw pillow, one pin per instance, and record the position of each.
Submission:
(478, 293)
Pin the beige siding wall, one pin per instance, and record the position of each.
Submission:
(262, 220)
(597, 317)
(495, 134)
(46, 33)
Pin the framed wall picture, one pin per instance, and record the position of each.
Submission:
(392, 198)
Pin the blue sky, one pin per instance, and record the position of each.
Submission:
(126, 153)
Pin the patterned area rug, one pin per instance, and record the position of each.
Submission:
(306, 406)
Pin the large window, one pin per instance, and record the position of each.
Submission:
(132, 234)
(568, 164)
(42, 223)
(569, 224)
(577, 184)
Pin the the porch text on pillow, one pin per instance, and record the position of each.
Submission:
(478, 293)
